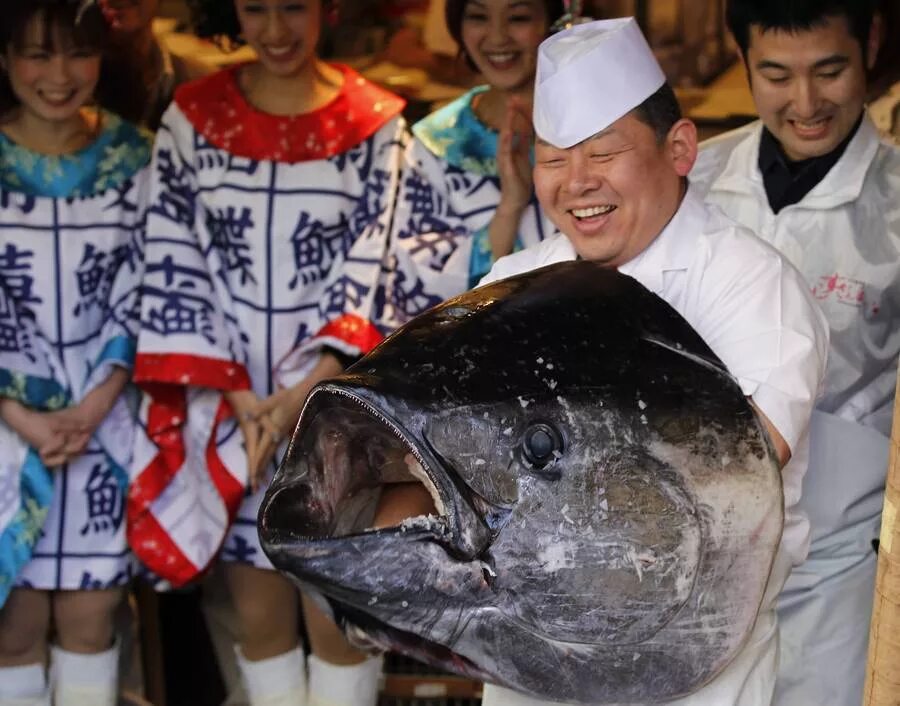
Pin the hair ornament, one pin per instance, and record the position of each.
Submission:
(571, 16)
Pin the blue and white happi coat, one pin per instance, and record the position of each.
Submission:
(449, 191)
(259, 252)
(70, 272)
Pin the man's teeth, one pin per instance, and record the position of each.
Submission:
(592, 211)
(811, 125)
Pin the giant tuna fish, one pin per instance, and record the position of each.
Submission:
(607, 504)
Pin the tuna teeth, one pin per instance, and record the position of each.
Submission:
(592, 211)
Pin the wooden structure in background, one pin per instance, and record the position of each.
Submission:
(883, 669)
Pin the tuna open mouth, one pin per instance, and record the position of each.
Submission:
(351, 470)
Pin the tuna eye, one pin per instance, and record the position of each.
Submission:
(542, 445)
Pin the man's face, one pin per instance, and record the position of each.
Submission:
(809, 86)
(612, 194)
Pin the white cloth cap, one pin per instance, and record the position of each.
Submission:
(589, 76)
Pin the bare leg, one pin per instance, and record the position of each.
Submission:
(84, 619)
(84, 661)
(269, 657)
(339, 675)
(326, 639)
(24, 623)
(266, 606)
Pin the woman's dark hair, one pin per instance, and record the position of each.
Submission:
(218, 19)
(456, 9)
(797, 16)
(119, 88)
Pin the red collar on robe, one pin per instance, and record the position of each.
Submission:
(217, 109)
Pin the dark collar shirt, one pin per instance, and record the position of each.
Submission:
(787, 182)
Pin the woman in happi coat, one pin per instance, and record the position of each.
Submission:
(466, 196)
(272, 190)
(73, 179)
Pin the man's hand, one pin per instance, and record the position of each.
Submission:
(782, 450)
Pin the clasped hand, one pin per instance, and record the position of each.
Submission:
(264, 424)
(60, 436)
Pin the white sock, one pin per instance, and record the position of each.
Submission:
(334, 685)
(277, 681)
(84, 680)
(24, 686)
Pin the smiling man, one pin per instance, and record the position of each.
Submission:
(813, 178)
(612, 158)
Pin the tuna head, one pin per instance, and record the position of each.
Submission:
(606, 506)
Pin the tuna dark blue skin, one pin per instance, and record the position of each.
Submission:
(608, 505)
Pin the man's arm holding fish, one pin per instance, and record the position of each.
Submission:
(782, 450)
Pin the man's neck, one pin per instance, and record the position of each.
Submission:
(788, 181)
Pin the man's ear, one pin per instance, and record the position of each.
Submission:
(873, 45)
(681, 146)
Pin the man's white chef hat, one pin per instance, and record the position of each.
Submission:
(589, 76)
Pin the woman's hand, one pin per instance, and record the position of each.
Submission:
(88, 414)
(277, 415)
(514, 157)
(56, 439)
(243, 404)
(516, 181)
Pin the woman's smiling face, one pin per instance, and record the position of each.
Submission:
(52, 77)
(283, 33)
(501, 37)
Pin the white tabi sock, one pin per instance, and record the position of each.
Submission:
(277, 681)
(24, 686)
(334, 685)
(84, 680)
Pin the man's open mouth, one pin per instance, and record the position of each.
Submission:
(592, 211)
